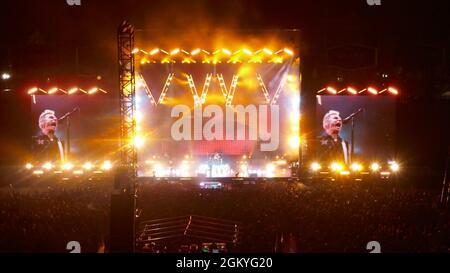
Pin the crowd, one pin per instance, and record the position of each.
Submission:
(275, 217)
(327, 217)
(45, 218)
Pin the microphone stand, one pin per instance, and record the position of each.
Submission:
(352, 132)
(67, 118)
(68, 137)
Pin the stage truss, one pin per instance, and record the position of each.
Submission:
(128, 154)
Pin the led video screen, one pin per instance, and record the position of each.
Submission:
(89, 124)
(374, 123)
(218, 119)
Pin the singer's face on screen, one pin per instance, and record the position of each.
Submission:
(334, 124)
(50, 124)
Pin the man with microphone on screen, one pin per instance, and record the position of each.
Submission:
(46, 146)
(332, 148)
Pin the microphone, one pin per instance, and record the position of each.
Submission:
(69, 113)
(347, 119)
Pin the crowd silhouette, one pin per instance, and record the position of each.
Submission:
(275, 216)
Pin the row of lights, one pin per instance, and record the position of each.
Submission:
(215, 56)
(71, 91)
(353, 91)
(228, 94)
(68, 166)
(355, 167)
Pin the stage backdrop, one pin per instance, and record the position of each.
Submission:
(218, 113)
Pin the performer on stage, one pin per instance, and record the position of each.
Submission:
(332, 147)
(46, 146)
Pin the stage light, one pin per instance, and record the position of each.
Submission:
(288, 51)
(6, 76)
(281, 162)
(331, 90)
(392, 91)
(372, 91)
(32, 90)
(270, 168)
(394, 166)
(154, 51)
(195, 51)
(72, 90)
(29, 166)
(67, 166)
(52, 90)
(276, 60)
(78, 172)
(336, 167)
(138, 141)
(106, 165)
(291, 78)
(38, 172)
(139, 117)
(375, 167)
(267, 51)
(92, 90)
(175, 51)
(47, 166)
(315, 166)
(226, 51)
(294, 142)
(246, 51)
(135, 50)
(345, 173)
(88, 166)
(352, 90)
(356, 167)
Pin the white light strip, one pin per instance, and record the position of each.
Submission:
(263, 88)
(206, 87)
(193, 89)
(165, 88)
(279, 89)
(232, 89)
(222, 85)
(147, 90)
